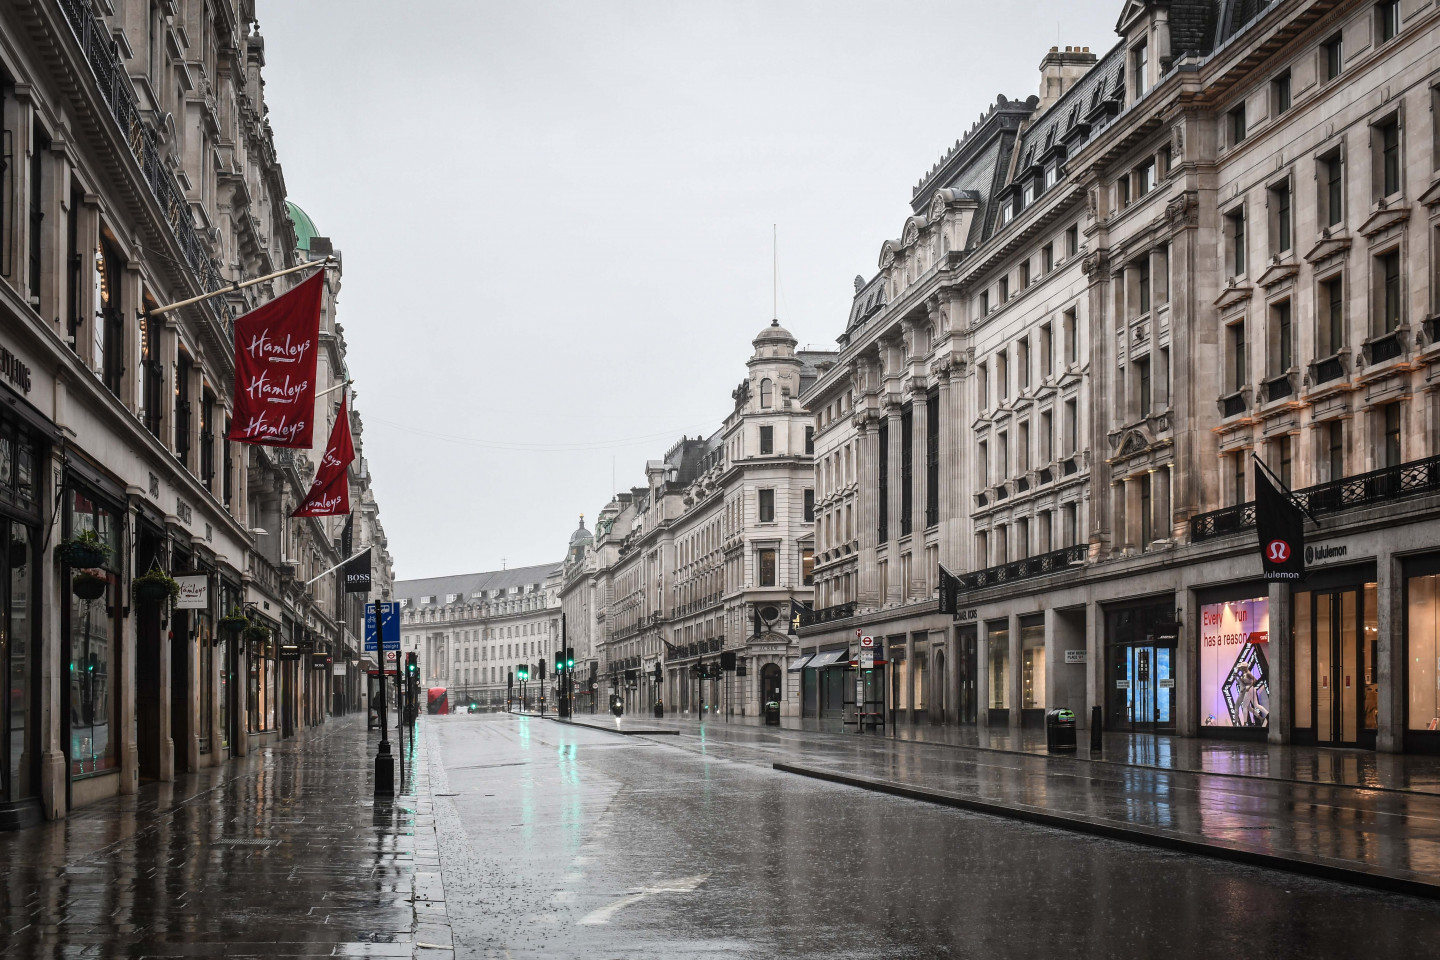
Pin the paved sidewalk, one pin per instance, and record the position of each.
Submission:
(280, 854)
(1228, 758)
(1382, 838)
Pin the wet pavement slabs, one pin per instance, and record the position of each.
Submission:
(568, 841)
(283, 853)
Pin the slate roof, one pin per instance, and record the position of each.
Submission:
(1075, 109)
(1192, 26)
(467, 584)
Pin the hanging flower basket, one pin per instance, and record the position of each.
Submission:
(87, 586)
(85, 549)
(257, 633)
(234, 622)
(155, 586)
(19, 553)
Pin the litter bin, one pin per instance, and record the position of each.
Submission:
(1059, 731)
(659, 709)
(772, 713)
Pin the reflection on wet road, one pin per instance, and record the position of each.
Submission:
(566, 842)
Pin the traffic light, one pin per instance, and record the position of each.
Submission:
(412, 665)
(509, 679)
(523, 672)
(659, 675)
(540, 674)
(569, 659)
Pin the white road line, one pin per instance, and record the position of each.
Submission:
(680, 885)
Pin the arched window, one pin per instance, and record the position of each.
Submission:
(766, 390)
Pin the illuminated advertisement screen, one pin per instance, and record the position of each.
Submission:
(1235, 663)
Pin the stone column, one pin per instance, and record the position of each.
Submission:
(952, 674)
(1282, 664)
(1116, 502)
(910, 683)
(1133, 511)
(54, 770)
(867, 514)
(982, 676)
(1095, 677)
(129, 752)
(1160, 519)
(919, 445)
(1100, 346)
(1014, 678)
(1389, 653)
(895, 590)
(947, 464)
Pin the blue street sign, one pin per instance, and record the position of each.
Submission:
(389, 625)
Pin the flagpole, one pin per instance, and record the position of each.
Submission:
(329, 390)
(340, 564)
(240, 285)
(1304, 508)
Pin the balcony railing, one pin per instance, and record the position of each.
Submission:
(103, 58)
(1331, 368)
(841, 611)
(1365, 489)
(1233, 405)
(1278, 388)
(1026, 568)
(1385, 348)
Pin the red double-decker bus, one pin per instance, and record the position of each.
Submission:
(437, 701)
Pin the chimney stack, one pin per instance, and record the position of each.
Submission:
(1059, 71)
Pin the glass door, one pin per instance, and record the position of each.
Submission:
(1337, 693)
(1145, 687)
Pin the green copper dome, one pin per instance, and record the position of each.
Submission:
(305, 229)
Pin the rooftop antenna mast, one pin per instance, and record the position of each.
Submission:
(774, 272)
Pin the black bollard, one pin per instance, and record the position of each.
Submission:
(1096, 733)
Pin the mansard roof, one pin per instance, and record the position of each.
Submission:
(1072, 119)
(466, 584)
(978, 162)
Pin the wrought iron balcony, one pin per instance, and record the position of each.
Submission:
(841, 611)
(1361, 490)
(1331, 368)
(1388, 347)
(103, 57)
(1026, 568)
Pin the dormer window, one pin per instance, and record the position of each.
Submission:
(767, 394)
(1052, 174)
(1140, 59)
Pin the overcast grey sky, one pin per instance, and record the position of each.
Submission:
(556, 218)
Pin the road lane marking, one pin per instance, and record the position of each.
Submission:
(680, 885)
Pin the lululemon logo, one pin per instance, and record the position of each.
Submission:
(1278, 551)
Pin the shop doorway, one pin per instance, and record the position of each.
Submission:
(1337, 694)
(180, 710)
(769, 684)
(940, 704)
(969, 644)
(1140, 668)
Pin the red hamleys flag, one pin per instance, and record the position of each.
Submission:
(276, 347)
(329, 495)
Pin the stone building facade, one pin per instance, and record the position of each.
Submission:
(687, 586)
(140, 171)
(1215, 240)
(473, 630)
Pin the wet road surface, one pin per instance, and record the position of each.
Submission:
(561, 841)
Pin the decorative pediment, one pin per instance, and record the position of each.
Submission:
(1431, 197)
(911, 234)
(1277, 272)
(1234, 295)
(1382, 220)
(1134, 10)
(1130, 442)
(1328, 247)
(888, 249)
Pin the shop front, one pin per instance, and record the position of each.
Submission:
(1234, 649)
(825, 674)
(23, 444)
(1140, 673)
(1422, 654)
(1336, 633)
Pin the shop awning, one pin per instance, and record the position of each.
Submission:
(828, 658)
(799, 664)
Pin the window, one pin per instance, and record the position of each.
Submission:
(1070, 524)
(1391, 453)
(1331, 328)
(1332, 57)
(1387, 20)
(1072, 241)
(983, 383)
(182, 409)
(1282, 455)
(807, 567)
(1145, 178)
(1237, 125)
(1022, 361)
(767, 440)
(1025, 275)
(1047, 351)
(1387, 270)
(1002, 376)
(985, 303)
(1072, 427)
(767, 506)
(767, 390)
(982, 463)
(1047, 256)
(1282, 339)
(1280, 218)
(809, 505)
(39, 145)
(1237, 370)
(1331, 177)
(1047, 437)
(1142, 277)
(1140, 67)
(1167, 160)
(1071, 334)
(1142, 386)
(1122, 192)
(766, 561)
(1004, 289)
(1280, 93)
(809, 441)
(1235, 227)
(1147, 532)
(1386, 139)
(1335, 449)
(1237, 477)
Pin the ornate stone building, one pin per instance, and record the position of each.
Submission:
(471, 631)
(1216, 239)
(139, 171)
(701, 566)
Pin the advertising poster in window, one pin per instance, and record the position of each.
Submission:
(1235, 664)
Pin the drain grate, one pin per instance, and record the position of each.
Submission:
(245, 842)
